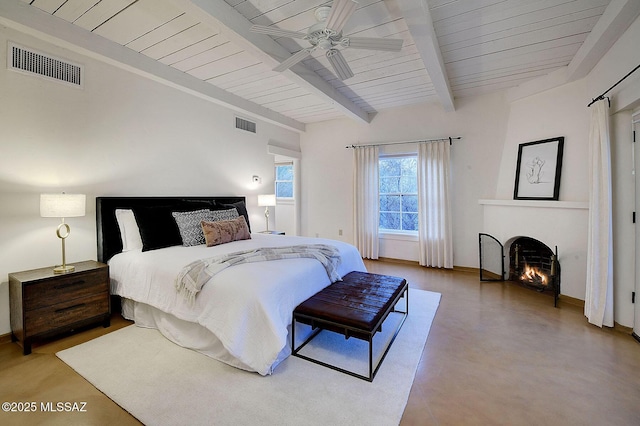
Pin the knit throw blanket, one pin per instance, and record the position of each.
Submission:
(196, 274)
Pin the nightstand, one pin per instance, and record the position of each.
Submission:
(272, 232)
(44, 304)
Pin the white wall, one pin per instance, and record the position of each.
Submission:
(327, 167)
(557, 112)
(121, 135)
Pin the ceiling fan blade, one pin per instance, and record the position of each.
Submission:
(341, 11)
(339, 64)
(277, 32)
(388, 44)
(293, 59)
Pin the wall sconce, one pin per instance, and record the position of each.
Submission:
(266, 201)
(63, 205)
(256, 179)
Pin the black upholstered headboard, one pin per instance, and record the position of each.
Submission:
(109, 241)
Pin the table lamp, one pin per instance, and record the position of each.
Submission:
(62, 205)
(266, 201)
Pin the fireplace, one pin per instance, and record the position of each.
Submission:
(531, 264)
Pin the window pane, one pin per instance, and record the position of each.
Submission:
(390, 221)
(410, 221)
(409, 165)
(284, 189)
(409, 184)
(390, 203)
(389, 185)
(389, 167)
(284, 172)
(410, 203)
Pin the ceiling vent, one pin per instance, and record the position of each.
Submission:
(28, 61)
(246, 125)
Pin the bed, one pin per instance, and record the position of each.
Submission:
(242, 315)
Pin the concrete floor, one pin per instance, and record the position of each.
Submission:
(496, 354)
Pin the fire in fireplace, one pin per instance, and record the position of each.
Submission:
(534, 276)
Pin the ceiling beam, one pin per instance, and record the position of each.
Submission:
(35, 22)
(615, 20)
(418, 18)
(235, 27)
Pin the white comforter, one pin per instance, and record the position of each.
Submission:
(248, 307)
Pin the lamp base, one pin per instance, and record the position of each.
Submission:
(64, 269)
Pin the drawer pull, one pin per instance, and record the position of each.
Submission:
(69, 308)
(72, 284)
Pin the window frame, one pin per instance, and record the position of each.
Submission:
(276, 180)
(397, 234)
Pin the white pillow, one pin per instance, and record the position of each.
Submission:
(129, 231)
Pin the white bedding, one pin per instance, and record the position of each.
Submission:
(248, 307)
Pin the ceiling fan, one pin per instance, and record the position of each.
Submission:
(326, 35)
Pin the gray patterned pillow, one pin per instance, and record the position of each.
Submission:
(189, 226)
(217, 215)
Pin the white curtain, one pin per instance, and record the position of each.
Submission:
(434, 205)
(598, 305)
(367, 205)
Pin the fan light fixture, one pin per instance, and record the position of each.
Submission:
(326, 35)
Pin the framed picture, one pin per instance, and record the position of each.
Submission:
(538, 170)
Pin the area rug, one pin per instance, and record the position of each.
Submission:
(161, 383)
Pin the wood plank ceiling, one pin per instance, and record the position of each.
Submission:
(485, 45)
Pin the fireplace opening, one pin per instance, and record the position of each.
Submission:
(534, 265)
(531, 264)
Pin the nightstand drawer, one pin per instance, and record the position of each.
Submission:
(60, 290)
(65, 313)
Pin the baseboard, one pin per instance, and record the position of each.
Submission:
(571, 301)
(466, 269)
(5, 338)
(402, 261)
(622, 328)
(635, 336)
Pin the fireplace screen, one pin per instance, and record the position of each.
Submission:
(491, 259)
(532, 264)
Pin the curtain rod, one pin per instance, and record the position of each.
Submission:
(403, 142)
(593, 101)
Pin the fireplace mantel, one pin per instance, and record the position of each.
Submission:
(535, 203)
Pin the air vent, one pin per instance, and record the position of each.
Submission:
(246, 125)
(34, 63)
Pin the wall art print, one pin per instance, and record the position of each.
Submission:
(538, 170)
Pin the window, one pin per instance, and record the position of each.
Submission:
(398, 193)
(284, 180)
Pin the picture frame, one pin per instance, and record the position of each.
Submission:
(538, 170)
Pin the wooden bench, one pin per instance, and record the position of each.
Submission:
(356, 307)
